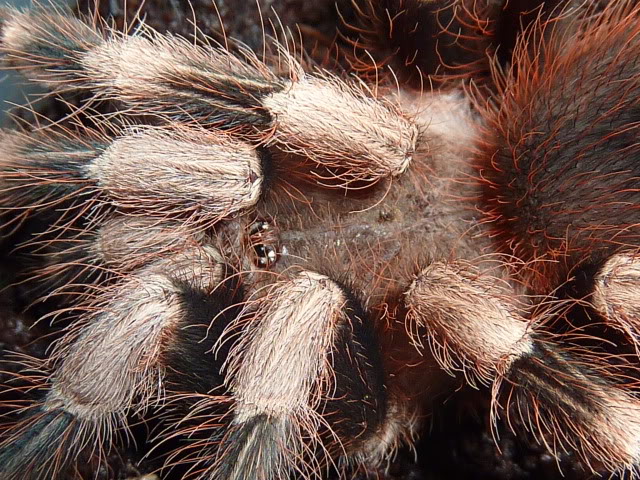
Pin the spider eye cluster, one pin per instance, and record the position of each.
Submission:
(263, 239)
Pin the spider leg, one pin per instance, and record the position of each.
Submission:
(566, 396)
(307, 382)
(616, 295)
(45, 169)
(114, 361)
(71, 265)
(338, 126)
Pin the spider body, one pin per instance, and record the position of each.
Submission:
(277, 261)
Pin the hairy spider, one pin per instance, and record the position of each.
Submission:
(271, 259)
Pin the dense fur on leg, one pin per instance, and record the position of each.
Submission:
(41, 447)
(616, 295)
(474, 322)
(165, 76)
(305, 358)
(114, 365)
(44, 169)
(478, 327)
(571, 401)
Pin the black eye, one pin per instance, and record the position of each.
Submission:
(263, 240)
(265, 255)
(259, 227)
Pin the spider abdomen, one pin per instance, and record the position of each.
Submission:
(560, 165)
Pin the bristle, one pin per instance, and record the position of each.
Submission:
(518, 16)
(616, 295)
(424, 42)
(40, 446)
(472, 321)
(308, 359)
(46, 168)
(318, 116)
(570, 404)
(559, 164)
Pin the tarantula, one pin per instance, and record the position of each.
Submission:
(274, 258)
